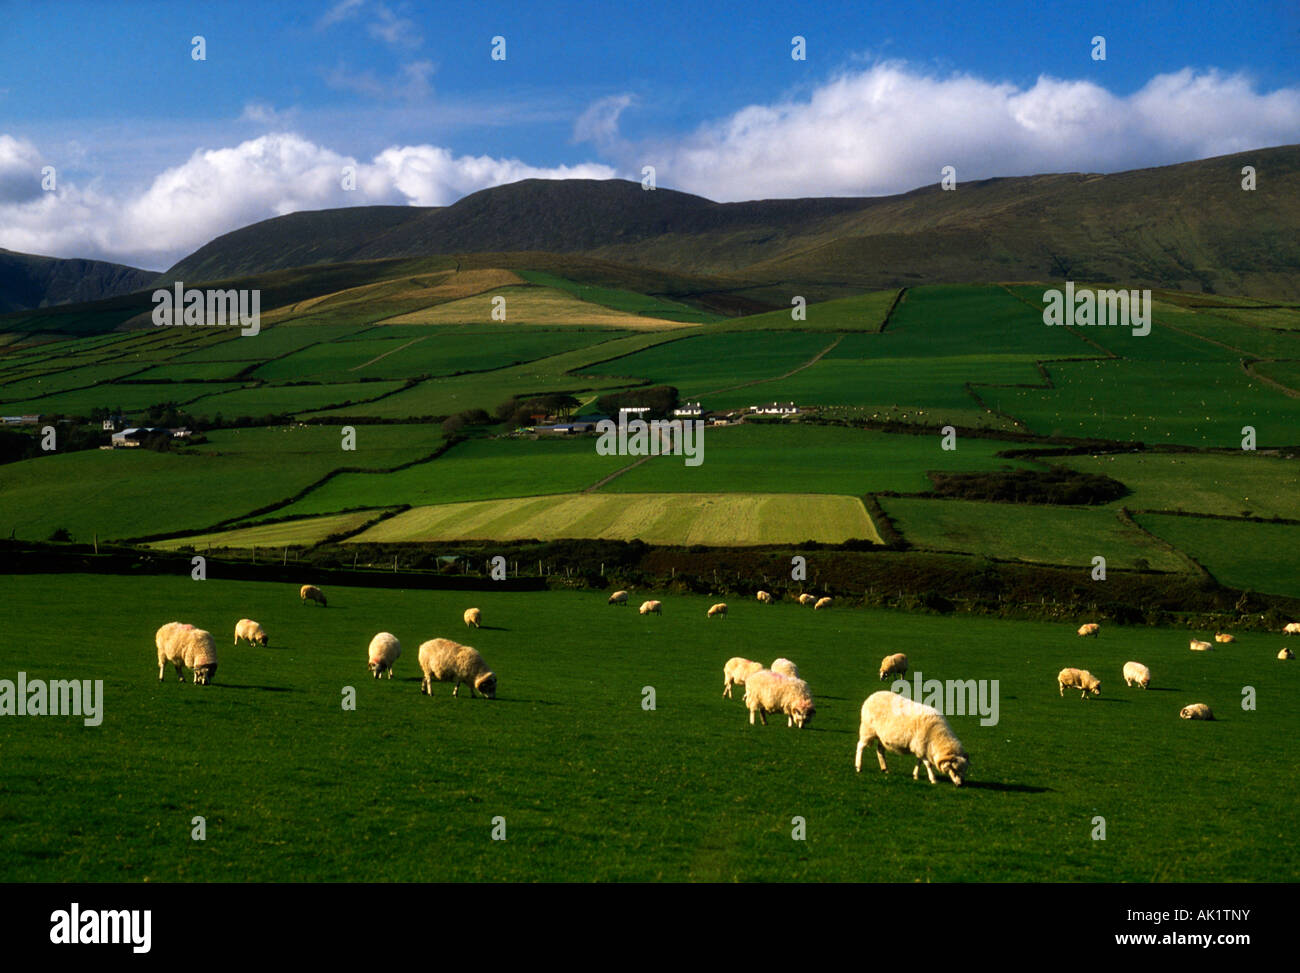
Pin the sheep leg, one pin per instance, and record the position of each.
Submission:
(726, 689)
(180, 673)
(751, 717)
(1062, 685)
(857, 757)
(880, 755)
(929, 769)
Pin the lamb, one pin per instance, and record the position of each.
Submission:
(1285, 654)
(385, 650)
(1291, 628)
(443, 660)
(736, 671)
(1223, 637)
(309, 592)
(1079, 679)
(618, 598)
(891, 665)
(785, 667)
(895, 723)
(1197, 711)
(1136, 672)
(473, 617)
(652, 607)
(1091, 628)
(251, 632)
(719, 609)
(186, 646)
(770, 692)
(765, 597)
(822, 603)
(807, 599)
(1198, 646)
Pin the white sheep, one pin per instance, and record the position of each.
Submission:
(251, 632)
(893, 665)
(186, 646)
(443, 660)
(895, 723)
(765, 597)
(719, 609)
(770, 692)
(1136, 672)
(473, 617)
(1285, 654)
(1080, 679)
(822, 603)
(785, 667)
(1089, 629)
(1197, 711)
(1198, 646)
(309, 592)
(618, 598)
(1223, 637)
(807, 599)
(385, 650)
(736, 671)
(652, 608)
(1291, 628)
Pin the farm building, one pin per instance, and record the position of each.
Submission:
(775, 409)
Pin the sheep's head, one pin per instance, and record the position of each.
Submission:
(263, 640)
(376, 668)
(487, 685)
(802, 714)
(955, 767)
(205, 674)
(1095, 687)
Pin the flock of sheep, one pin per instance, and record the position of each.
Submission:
(441, 660)
(889, 721)
(1135, 673)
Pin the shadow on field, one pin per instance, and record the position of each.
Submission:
(1163, 689)
(993, 785)
(1108, 699)
(494, 628)
(265, 689)
(535, 702)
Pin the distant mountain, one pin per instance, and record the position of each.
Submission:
(29, 281)
(1189, 226)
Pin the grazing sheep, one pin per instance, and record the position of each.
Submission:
(785, 667)
(1136, 672)
(1079, 679)
(895, 723)
(309, 592)
(473, 617)
(186, 646)
(1197, 711)
(443, 660)
(1198, 646)
(765, 597)
(893, 665)
(1291, 628)
(618, 598)
(652, 607)
(806, 599)
(1285, 654)
(719, 609)
(385, 650)
(822, 603)
(1223, 637)
(736, 671)
(251, 632)
(770, 692)
(1091, 628)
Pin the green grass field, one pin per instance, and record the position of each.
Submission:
(1241, 553)
(592, 786)
(722, 520)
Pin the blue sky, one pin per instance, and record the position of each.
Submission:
(155, 152)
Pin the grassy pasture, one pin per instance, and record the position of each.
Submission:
(727, 519)
(130, 397)
(1240, 553)
(533, 305)
(865, 312)
(133, 492)
(295, 533)
(622, 300)
(592, 786)
(277, 399)
(1050, 535)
